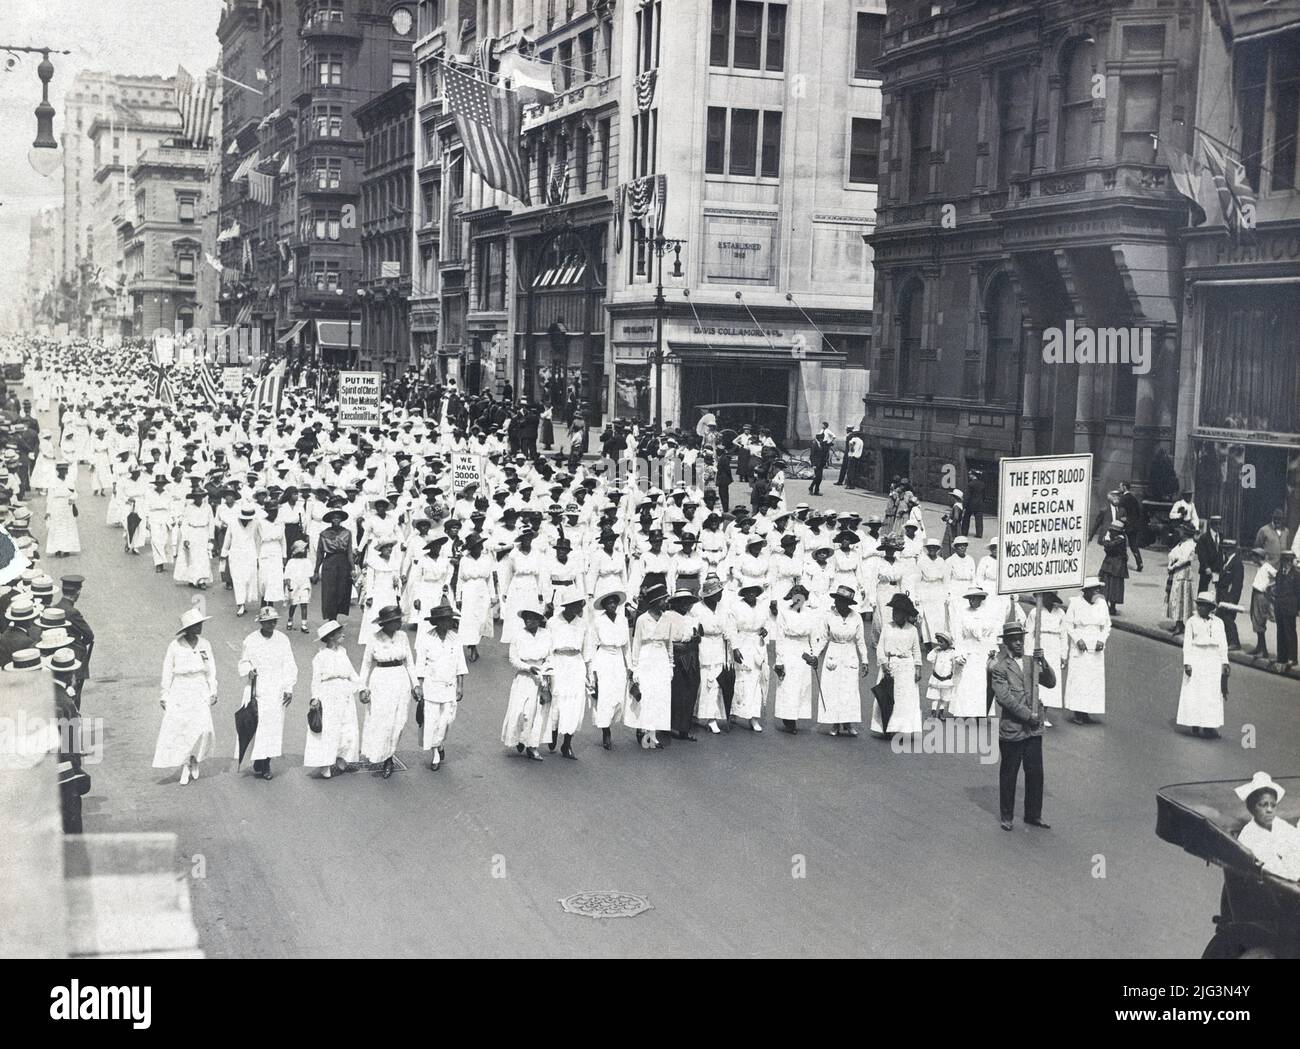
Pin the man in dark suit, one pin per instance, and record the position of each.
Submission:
(1108, 515)
(818, 456)
(1227, 591)
(974, 505)
(1130, 510)
(1208, 553)
(20, 619)
(1020, 727)
(77, 625)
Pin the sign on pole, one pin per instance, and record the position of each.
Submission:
(359, 398)
(232, 380)
(465, 469)
(1044, 512)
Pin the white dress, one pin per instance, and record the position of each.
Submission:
(899, 652)
(390, 693)
(270, 560)
(240, 552)
(439, 664)
(846, 654)
(976, 638)
(931, 595)
(752, 674)
(1205, 650)
(335, 683)
(569, 699)
(652, 670)
(277, 673)
(189, 683)
(1052, 639)
(797, 634)
(709, 705)
(1085, 686)
(527, 721)
(193, 565)
(606, 649)
(61, 535)
(475, 594)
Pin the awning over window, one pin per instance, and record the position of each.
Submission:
(291, 333)
(333, 335)
(245, 315)
(246, 165)
(229, 233)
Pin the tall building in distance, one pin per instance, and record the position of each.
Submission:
(428, 51)
(44, 272)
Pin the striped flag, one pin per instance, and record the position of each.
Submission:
(195, 100)
(269, 389)
(1236, 198)
(261, 187)
(162, 389)
(488, 120)
(208, 385)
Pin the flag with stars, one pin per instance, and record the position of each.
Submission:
(488, 118)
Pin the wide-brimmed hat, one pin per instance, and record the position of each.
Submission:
(388, 614)
(191, 617)
(752, 588)
(1259, 781)
(960, 540)
(570, 595)
(653, 593)
(440, 612)
(1093, 583)
(933, 542)
(683, 594)
(943, 635)
(848, 537)
(24, 659)
(711, 585)
(20, 610)
(247, 513)
(605, 595)
(902, 601)
(328, 628)
(63, 661)
(797, 588)
(1206, 598)
(267, 614)
(53, 640)
(335, 515)
(530, 610)
(844, 593)
(975, 591)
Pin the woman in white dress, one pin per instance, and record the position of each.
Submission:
(568, 629)
(476, 593)
(606, 652)
(931, 594)
(272, 552)
(1205, 671)
(649, 710)
(799, 640)
(334, 686)
(61, 535)
(961, 575)
(748, 638)
(115, 517)
(441, 668)
(189, 691)
(46, 457)
(193, 561)
(976, 640)
(844, 662)
(521, 584)
(1053, 642)
(1087, 629)
(380, 585)
(389, 682)
(527, 717)
(714, 653)
(898, 655)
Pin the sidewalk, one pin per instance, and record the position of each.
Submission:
(1143, 610)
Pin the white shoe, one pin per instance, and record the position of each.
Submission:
(304, 628)
(329, 771)
(194, 770)
(713, 727)
(239, 611)
(753, 723)
(185, 774)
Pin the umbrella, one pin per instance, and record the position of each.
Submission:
(706, 420)
(246, 723)
(883, 690)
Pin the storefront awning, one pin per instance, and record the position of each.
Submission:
(337, 335)
(291, 333)
(245, 315)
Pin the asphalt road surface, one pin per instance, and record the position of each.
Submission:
(744, 844)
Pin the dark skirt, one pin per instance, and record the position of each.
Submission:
(1113, 587)
(686, 684)
(336, 585)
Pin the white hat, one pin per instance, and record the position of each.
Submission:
(975, 591)
(330, 626)
(570, 595)
(956, 493)
(1092, 583)
(993, 541)
(960, 540)
(1259, 781)
(1206, 598)
(267, 614)
(192, 617)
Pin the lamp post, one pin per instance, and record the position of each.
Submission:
(44, 155)
(662, 245)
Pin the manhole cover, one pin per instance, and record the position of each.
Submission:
(606, 903)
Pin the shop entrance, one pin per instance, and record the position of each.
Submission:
(1245, 483)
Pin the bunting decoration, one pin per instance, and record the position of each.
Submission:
(647, 199)
(246, 259)
(620, 207)
(645, 89)
(557, 185)
(214, 262)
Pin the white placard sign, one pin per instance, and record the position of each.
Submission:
(359, 398)
(466, 469)
(1043, 506)
(232, 380)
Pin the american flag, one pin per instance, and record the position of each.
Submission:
(269, 388)
(195, 100)
(208, 385)
(488, 120)
(261, 187)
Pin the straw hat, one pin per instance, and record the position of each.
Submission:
(267, 614)
(191, 617)
(63, 661)
(24, 659)
(328, 628)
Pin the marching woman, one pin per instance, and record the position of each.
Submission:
(389, 681)
(932, 591)
(961, 575)
(46, 457)
(189, 691)
(607, 569)
(521, 584)
(193, 559)
(816, 577)
(61, 536)
(240, 552)
(159, 515)
(1205, 671)
(334, 565)
(976, 637)
(527, 717)
(898, 654)
(267, 661)
(116, 513)
(1054, 641)
(475, 595)
(568, 630)
(846, 562)
(748, 638)
(649, 709)
(334, 687)
(714, 654)
(379, 587)
(606, 652)
(799, 639)
(429, 582)
(272, 550)
(686, 665)
(440, 666)
(1087, 629)
(844, 661)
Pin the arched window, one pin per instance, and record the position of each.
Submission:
(1077, 66)
(1002, 349)
(910, 315)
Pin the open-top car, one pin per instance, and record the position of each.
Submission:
(1259, 912)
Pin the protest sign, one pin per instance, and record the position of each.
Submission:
(1043, 506)
(359, 398)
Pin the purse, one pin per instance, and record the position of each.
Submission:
(314, 716)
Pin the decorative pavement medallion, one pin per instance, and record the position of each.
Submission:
(606, 903)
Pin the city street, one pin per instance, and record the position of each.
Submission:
(902, 853)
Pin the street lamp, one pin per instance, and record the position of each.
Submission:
(44, 156)
(662, 245)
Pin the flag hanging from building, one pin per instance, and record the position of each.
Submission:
(261, 187)
(195, 100)
(488, 119)
(534, 80)
(1236, 198)
(645, 89)
(557, 184)
(208, 385)
(620, 206)
(214, 262)
(269, 389)
(1189, 180)
(647, 200)
(246, 257)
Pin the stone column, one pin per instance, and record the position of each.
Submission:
(1031, 339)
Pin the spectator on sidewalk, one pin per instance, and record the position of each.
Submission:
(853, 459)
(1114, 569)
(1209, 553)
(746, 449)
(1107, 516)
(1273, 538)
(1180, 592)
(844, 462)
(1227, 592)
(974, 505)
(1183, 512)
(1131, 514)
(819, 455)
(1286, 607)
(1261, 601)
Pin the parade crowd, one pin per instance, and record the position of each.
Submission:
(627, 592)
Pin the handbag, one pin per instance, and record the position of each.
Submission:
(314, 716)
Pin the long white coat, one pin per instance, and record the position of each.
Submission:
(277, 673)
(1205, 650)
(1085, 685)
(797, 634)
(334, 682)
(846, 654)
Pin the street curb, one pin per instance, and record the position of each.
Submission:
(1158, 634)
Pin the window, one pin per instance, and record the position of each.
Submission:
(401, 71)
(1268, 110)
(715, 147)
(855, 347)
(770, 166)
(732, 137)
(744, 141)
(325, 276)
(327, 121)
(329, 70)
(604, 132)
(1013, 124)
(1076, 105)
(184, 209)
(185, 267)
(747, 34)
(327, 173)
(584, 147)
(1002, 357)
(864, 151)
(910, 316)
(1139, 118)
(429, 202)
(566, 64)
(867, 45)
(326, 224)
(920, 132)
(586, 58)
(491, 275)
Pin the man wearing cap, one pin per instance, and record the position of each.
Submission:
(1020, 727)
(1204, 688)
(71, 586)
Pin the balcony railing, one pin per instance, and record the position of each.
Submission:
(330, 23)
